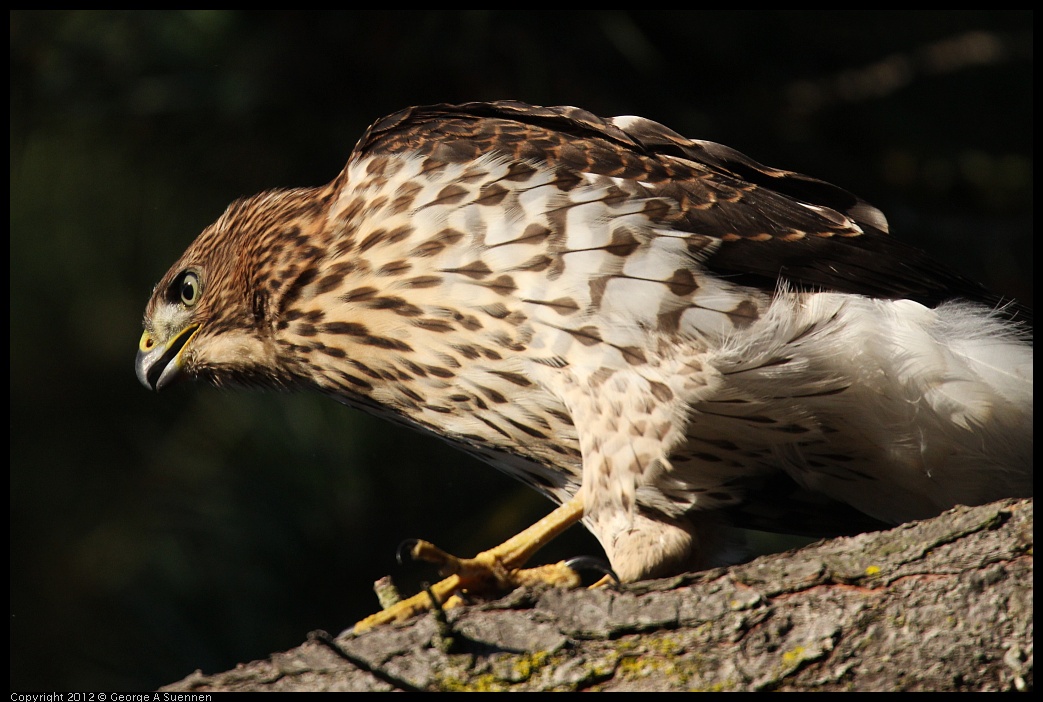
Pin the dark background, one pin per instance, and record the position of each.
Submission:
(152, 535)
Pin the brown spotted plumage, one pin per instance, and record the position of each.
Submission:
(657, 330)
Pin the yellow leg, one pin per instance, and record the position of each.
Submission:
(498, 568)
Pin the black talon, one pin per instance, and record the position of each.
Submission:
(406, 545)
(598, 565)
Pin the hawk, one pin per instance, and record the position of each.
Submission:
(659, 333)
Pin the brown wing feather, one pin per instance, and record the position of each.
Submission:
(774, 225)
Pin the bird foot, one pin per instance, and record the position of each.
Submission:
(487, 573)
(490, 573)
(477, 581)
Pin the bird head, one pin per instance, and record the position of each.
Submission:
(211, 315)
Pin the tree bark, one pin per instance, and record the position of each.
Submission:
(943, 604)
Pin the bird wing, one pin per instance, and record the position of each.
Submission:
(768, 225)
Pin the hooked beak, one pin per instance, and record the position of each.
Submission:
(157, 364)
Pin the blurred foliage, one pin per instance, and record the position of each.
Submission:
(151, 535)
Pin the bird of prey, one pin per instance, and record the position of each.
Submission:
(659, 333)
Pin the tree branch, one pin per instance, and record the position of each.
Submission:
(943, 604)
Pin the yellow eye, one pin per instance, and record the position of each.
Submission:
(189, 288)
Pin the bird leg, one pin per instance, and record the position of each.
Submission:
(497, 569)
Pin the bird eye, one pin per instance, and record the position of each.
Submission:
(187, 286)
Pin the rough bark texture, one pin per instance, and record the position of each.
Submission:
(944, 604)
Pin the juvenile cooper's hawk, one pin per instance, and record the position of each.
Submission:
(656, 332)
